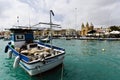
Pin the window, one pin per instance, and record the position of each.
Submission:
(20, 37)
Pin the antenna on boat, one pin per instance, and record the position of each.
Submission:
(51, 13)
(18, 20)
(29, 22)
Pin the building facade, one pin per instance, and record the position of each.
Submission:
(86, 28)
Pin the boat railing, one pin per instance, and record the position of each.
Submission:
(43, 44)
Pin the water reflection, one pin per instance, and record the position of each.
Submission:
(89, 48)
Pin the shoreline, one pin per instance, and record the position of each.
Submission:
(92, 38)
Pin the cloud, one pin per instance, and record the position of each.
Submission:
(10, 11)
(68, 13)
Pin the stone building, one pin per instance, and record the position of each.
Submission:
(55, 32)
(86, 28)
(70, 32)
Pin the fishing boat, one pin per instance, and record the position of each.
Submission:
(34, 57)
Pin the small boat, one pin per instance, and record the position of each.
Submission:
(45, 39)
(68, 38)
(34, 57)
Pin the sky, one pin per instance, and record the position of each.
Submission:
(68, 13)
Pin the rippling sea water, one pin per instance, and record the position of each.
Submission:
(84, 60)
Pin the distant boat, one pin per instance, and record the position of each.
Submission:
(45, 39)
(6, 39)
(68, 38)
(62, 37)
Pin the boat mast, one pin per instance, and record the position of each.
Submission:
(51, 13)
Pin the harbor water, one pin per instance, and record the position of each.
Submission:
(84, 60)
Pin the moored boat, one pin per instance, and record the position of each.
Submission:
(34, 57)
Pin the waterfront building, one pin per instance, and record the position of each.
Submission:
(39, 33)
(59, 32)
(102, 32)
(71, 32)
(7, 35)
(86, 29)
(56, 32)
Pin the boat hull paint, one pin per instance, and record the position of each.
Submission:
(39, 67)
